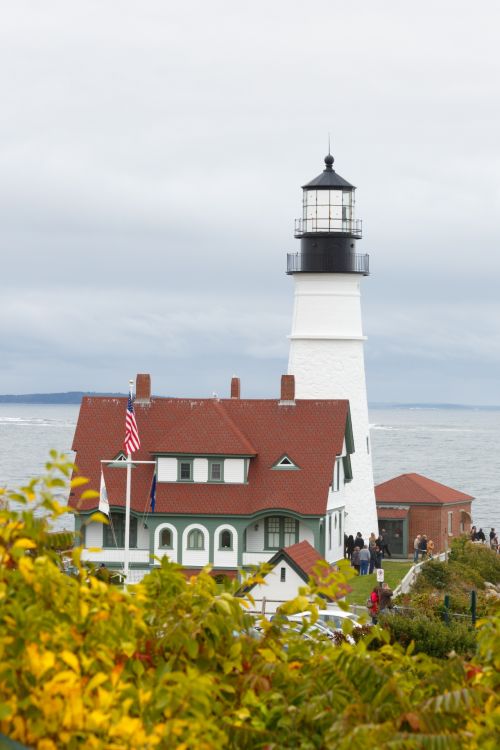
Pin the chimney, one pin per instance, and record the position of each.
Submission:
(143, 389)
(235, 387)
(287, 390)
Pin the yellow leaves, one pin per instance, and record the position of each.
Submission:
(126, 728)
(96, 720)
(268, 655)
(70, 659)
(89, 495)
(78, 481)
(98, 679)
(24, 543)
(46, 744)
(39, 662)
(98, 517)
(25, 567)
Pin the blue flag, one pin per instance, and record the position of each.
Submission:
(153, 494)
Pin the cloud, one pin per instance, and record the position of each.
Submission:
(150, 168)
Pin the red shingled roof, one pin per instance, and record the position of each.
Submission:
(311, 433)
(414, 488)
(304, 556)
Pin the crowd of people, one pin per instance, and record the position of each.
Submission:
(480, 536)
(423, 548)
(366, 556)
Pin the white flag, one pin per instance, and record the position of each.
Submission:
(103, 499)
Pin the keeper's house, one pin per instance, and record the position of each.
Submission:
(236, 479)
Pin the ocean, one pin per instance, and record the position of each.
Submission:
(457, 447)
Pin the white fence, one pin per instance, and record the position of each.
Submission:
(410, 578)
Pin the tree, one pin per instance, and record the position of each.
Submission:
(173, 663)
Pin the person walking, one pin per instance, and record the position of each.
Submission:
(473, 534)
(364, 560)
(383, 544)
(355, 559)
(430, 549)
(492, 536)
(378, 556)
(480, 537)
(416, 548)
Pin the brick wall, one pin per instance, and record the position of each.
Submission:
(432, 520)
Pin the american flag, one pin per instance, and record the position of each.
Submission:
(132, 442)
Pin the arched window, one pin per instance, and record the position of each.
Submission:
(196, 539)
(225, 540)
(166, 538)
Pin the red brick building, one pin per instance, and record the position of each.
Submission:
(412, 504)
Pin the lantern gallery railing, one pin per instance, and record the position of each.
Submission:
(338, 262)
(329, 225)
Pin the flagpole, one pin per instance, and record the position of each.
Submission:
(126, 551)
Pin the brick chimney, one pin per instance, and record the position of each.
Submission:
(287, 390)
(143, 389)
(235, 387)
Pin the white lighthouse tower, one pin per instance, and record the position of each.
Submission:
(326, 342)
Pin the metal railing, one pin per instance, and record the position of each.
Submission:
(328, 263)
(329, 226)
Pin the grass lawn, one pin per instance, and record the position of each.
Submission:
(394, 571)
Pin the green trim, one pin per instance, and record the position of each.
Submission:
(178, 454)
(212, 462)
(346, 460)
(188, 461)
(165, 546)
(349, 437)
(226, 549)
(196, 549)
(281, 531)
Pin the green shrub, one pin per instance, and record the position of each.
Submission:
(476, 557)
(431, 636)
(434, 574)
(173, 664)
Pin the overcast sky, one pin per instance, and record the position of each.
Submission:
(151, 158)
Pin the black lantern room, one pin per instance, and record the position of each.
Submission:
(328, 230)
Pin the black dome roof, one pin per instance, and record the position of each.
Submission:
(329, 178)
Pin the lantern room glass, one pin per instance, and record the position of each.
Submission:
(328, 211)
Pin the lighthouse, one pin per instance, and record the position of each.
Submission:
(326, 342)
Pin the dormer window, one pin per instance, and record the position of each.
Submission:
(119, 461)
(216, 470)
(185, 470)
(285, 462)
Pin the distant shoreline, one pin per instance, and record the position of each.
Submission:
(75, 397)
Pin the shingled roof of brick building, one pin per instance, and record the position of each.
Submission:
(415, 488)
(311, 433)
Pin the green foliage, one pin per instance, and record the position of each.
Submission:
(476, 557)
(173, 663)
(431, 636)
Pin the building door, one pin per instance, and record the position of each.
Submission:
(395, 535)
